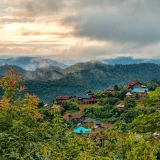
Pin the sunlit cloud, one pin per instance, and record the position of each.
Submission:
(79, 29)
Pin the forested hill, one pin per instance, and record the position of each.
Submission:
(50, 82)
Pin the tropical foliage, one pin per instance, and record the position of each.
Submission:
(27, 133)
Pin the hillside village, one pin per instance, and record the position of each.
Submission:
(74, 108)
(113, 124)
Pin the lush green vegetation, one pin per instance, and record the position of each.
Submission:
(70, 105)
(28, 132)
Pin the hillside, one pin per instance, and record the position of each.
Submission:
(49, 90)
(101, 75)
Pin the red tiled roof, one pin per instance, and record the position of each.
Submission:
(77, 116)
(64, 97)
(130, 84)
(66, 116)
(133, 83)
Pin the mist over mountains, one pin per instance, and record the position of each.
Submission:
(31, 63)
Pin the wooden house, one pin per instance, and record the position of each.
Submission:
(60, 99)
(129, 95)
(121, 106)
(142, 93)
(134, 84)
(109, 89)
(90, 93)
(79, 117)
(92, 121)
(67, 116)
(85, 99)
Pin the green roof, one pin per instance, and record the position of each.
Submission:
(82, 129)
(91, 120)
(135, 90)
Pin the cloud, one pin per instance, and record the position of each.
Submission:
(32, 8)
(80, 29)
(32, 32)
(2, 26)
(16, 20)
(128, 21)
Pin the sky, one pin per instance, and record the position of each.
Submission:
(80, 29)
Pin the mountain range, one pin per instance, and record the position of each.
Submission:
(50, 81)
(31, 63)
(130, 60)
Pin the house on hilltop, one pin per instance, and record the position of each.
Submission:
(60, 99)
(142, 92)
(134, 84)
(109, 89)
(85, 99)
(79, 117)
(128, 94)
(67, 116)
(90, 93)
(92, 121)
(121, 106)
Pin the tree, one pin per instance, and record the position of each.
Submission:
(130, 103)
(70, 105)
(116, 88)
(41, 104)
(149, 122)
(22, 134)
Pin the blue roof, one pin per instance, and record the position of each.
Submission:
(84, 96)
(81, 129)
(139, 89)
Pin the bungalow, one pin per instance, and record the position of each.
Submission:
(109, 89)
(85, 99)
(129, 94)
(60, 99)
(134, 84)
(121, 106)
(67, 116)
(92, 121)
(83, 130)
(135, 90)
(90, 93)
(79, 117)
(142, 93)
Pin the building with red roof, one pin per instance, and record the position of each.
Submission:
(60, 99)
(134, 84)
(79, 117)
(67, 116)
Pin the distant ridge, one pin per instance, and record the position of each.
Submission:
(31, 63)
(130, 60)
